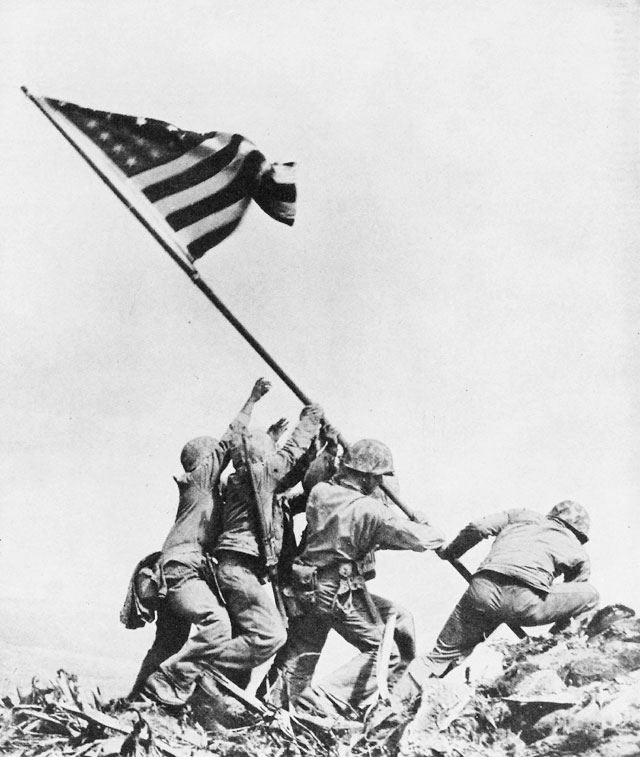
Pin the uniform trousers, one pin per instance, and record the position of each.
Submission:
(258, 630)
(359, 617)
(190, 600)
(491, 599)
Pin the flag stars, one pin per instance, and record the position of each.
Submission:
(104, 136)
(141, 121)
(154, 152)
(92, 123)
(171, 127)
(131, 162)
(117, 149)
(141, 141)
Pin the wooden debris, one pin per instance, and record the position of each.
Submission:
(59, 718)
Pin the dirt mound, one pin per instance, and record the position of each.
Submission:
(575, 693)
(570, 694)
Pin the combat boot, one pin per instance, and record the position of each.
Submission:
(212, 708)
(162, 688)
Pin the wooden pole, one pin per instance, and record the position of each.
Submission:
(188, 268)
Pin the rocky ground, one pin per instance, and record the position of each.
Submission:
(575, 693)
(569, 694)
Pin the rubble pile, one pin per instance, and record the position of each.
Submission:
(569, 694)
(59, 717)
(574, 693)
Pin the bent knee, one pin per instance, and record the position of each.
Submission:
(265, 645)
(213, 623)
(592, 597)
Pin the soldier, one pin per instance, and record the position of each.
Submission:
(344, 525)
(259, 630)
(514, 584)
(296, 662)
(182, 573)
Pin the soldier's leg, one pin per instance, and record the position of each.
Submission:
(190, 598)
(356, 619)
(563, 602)
(258, 629)
(296, 662)
(172, 632)
(473, 619)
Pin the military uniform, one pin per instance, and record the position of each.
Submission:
(259, 631)
(184, 572)
(343, 527)
(513, 584)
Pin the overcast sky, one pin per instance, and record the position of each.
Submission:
(461, 281)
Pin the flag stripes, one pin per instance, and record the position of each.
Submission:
(201, 184)
(231, 193)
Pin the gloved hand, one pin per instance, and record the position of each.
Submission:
(313, 411)
(278, 428)
(329, 436)
(260, 388)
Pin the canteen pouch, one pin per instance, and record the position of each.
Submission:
(300, 593)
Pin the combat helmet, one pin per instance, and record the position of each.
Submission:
(196, 450)
(573, 515)
(369, 456)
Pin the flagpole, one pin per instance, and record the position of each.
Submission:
(195, 278)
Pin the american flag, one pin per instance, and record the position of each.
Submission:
(201, 184)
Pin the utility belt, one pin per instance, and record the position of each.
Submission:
(348, 574)
(300, 594)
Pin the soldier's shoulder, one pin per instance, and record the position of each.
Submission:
(524, 515)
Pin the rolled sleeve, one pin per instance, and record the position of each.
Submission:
(400, 533)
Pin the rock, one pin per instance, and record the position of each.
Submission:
(539, 686)
(591, 667)
(484, 666)
(549, 724)
(623, 709)
(441, 702)
(629, 656)
(607, 617)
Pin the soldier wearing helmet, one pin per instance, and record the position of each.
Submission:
(514, 584)
(345, 523)
(261, 469)
(174, 662)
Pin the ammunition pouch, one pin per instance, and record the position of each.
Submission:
(350, 580)
(300, 593)
(367, 566)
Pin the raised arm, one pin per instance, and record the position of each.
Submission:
(280, 463)
(243, 418)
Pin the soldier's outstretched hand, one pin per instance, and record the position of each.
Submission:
(313, 411)
(329, 435)
(260, 388)
(278, 428)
